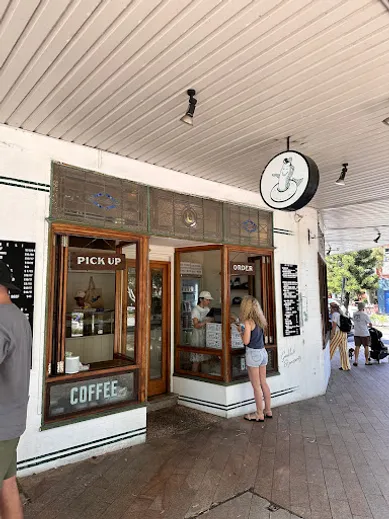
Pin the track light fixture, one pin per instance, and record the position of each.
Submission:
(376, 240)
(188, 117)
(340, 181)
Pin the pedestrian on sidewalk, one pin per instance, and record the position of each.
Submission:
(362, 324)
(338, 338)
(15, 362)
(253, 323)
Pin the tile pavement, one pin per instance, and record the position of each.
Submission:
(325, 458)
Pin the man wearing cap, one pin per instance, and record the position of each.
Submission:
(80, 300)
(15, 361)
(199, 320)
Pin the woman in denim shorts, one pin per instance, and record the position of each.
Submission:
(253, 323)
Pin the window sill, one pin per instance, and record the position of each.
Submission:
(82, 417)
(91, 373)
(242, 380)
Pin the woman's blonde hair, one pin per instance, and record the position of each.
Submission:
(250, 309)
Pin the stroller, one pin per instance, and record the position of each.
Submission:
(378, 350)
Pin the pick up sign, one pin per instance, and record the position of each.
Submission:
(97, 261)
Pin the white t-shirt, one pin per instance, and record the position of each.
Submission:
(335, 318)
(198, 334)
(361, 320)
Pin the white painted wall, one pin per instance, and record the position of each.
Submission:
(27, 156)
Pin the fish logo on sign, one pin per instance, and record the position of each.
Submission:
(286, 186)
(289, 181)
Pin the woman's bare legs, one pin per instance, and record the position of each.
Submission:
(258, 395)
(265, 389)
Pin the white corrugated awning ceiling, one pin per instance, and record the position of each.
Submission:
(113, 74)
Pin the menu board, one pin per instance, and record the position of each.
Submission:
(290, 300)
(20, 258)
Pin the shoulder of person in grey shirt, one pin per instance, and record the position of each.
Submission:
(15, 362)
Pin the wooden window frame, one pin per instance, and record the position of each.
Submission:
(55, 330)
(226, 353)
(323, 293)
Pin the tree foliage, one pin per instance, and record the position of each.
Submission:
(357, 268)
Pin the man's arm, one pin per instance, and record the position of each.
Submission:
(4, 348)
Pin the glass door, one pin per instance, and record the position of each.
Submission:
(159, 328)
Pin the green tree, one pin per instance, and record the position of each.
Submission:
(358, 269)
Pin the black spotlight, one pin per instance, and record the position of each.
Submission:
(188, 117)
(376, 240)
(340, 181)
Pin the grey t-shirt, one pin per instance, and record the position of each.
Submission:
(15, 361)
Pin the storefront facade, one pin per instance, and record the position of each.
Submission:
(123, 250)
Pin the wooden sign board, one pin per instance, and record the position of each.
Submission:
(242, 268)
(97, 261)
(69, 398)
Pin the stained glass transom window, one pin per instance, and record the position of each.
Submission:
(95, 199)
(183, 216)
(91, 198)
(247, 226)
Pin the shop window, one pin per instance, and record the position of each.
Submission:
(93, 357)
(211, 365)
(131, 313)
(251, 274)
(210, 284)
(200, 320)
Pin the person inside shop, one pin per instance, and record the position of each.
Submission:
(253, 322)
(199, 321)
(80, 301)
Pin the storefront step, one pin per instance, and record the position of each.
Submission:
(159, 402)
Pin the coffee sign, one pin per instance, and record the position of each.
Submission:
(82, 395)
(242, 268)
(97, 261)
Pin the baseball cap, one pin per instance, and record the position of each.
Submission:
(6, 278)
(80, 294)
(205, 295)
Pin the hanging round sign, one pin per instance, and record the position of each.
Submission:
(289, 181)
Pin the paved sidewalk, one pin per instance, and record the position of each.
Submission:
(325, 458)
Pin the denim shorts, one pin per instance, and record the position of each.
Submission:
(256, 357)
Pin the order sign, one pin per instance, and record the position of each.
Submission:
(242, 268)
(86, 261)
